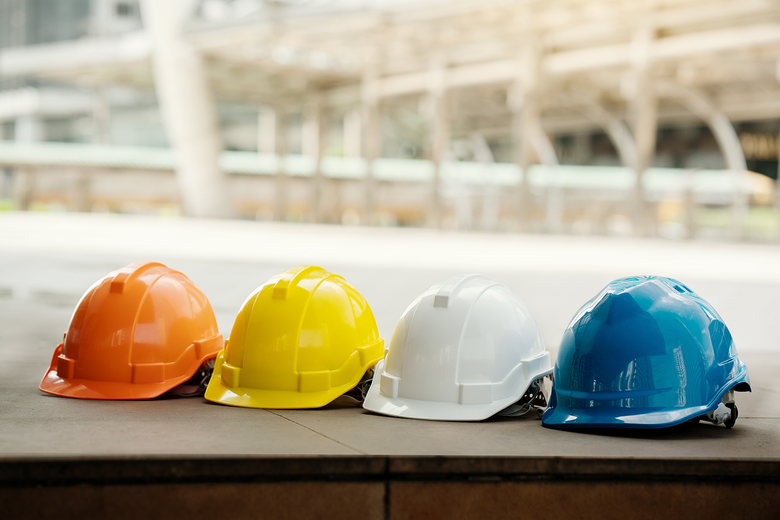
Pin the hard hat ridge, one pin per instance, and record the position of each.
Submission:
(465, 349)
(136, 333)
(646, 352)
(302, 339)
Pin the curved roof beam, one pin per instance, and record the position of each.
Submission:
(716, 120)
(615, 128)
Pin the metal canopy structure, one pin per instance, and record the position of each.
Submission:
(728, 49)
(524, 69)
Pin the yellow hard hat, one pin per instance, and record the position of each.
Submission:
(302, 339)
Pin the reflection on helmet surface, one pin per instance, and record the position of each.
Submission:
(649, 345)
(301, 340)
(465, 349)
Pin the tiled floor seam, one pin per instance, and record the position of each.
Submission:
(319, 433)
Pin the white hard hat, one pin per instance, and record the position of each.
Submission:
(464, 350)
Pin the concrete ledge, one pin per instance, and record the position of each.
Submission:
(582, 469)
(39, 472)
(186, 458)
(387, 488)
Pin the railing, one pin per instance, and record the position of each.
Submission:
(466, 187)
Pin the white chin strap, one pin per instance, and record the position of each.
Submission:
(726, 412)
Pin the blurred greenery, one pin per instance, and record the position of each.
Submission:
(761, 222)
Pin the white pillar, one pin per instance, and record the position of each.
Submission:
(491, 199)
(280, 142)
(266, 130)
(644, 108)
(6, 174)
(187, 108)
(522, 100)
(369, 114)
(777, 181)
(29, 129)
(352, 134)
(439, 125)
(101, 117)
(728, 142)
(555, 198)
(689, 202)
(313, 144)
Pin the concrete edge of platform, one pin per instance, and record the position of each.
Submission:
(140, 470)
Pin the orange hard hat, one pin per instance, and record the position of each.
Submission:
(136, 333)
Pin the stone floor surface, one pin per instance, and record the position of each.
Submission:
(48, 261)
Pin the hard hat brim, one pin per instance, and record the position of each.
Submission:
(53, 383)
(86, 389)
(218, 392)
(558, 417)
(436, 410)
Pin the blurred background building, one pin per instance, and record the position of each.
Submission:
(651, 117)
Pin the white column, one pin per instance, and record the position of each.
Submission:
(314, 134)
(101, 117)
(266, 130)
(280, 142)
(6, 174)
(491, 199)
(369, 114)
(187, 109)
(27, 129)
(644, 108)
(439, 125)
(689, 202)
(554, 201)
(728, 142)
(526, 123)
(353, 138)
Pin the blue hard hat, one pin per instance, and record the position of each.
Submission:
(646, 352)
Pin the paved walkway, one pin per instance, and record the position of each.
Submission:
(47, 261)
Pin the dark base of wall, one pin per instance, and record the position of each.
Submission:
(367, 488)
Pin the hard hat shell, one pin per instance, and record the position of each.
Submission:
(135, 334)
(301, 340)
(646, 352)
(464, 350)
